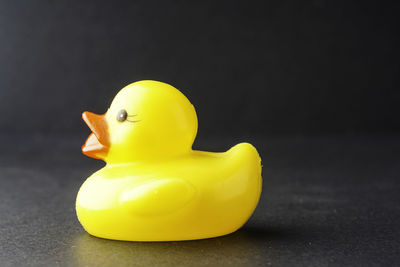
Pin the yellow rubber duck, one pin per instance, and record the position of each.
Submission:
(154, 187)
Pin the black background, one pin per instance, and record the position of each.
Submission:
(312, 84)
(272, 67)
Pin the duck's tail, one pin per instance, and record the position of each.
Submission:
(248, 153)
(247, 158)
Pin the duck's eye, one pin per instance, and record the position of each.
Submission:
(122, 115)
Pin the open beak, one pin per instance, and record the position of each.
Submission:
(98, 142)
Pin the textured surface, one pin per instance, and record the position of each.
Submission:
(326, 202)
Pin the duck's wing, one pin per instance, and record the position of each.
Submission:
(157, 197)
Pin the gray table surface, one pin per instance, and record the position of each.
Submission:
(326, 201)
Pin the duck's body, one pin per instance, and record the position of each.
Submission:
(197, 196)
(160, 189)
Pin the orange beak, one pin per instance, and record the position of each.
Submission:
(98, 142)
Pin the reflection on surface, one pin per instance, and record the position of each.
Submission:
(240, 248)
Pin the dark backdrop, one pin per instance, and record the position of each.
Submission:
(273, 67)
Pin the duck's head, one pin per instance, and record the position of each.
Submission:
(146, 120)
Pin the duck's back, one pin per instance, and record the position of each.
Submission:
(233, 188)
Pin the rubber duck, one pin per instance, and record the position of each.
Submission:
(154, 186)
